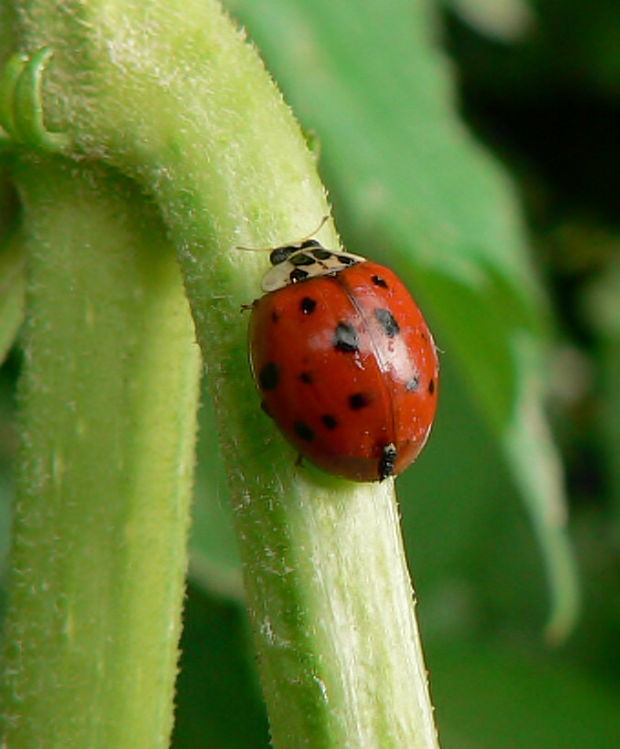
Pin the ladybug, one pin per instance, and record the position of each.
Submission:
(344, 361)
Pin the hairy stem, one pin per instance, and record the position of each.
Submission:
(108, 398)
(172, 96)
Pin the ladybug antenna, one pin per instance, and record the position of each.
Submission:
(298, 242)
(322, 223)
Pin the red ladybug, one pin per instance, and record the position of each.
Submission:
(344, 361)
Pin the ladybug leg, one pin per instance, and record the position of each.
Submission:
(387, 461)
(247, 307)
(300, 461)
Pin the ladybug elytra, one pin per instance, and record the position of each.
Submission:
(344, 361)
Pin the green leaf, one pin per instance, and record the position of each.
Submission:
(422, 195)
(491, 697)
(504, 20)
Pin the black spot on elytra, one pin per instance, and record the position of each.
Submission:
(412, 384)
(297, 275)
(307, 305)
(387, 461)
(378, 281)
(303, 431)
(358, 400)
(306, 377)
(275, 317)
(431, 386)
(331, 422)
(269, 376)
(387, 321)
(346, 338)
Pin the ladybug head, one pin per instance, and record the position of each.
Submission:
(280, 254)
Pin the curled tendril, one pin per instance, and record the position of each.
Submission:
(21, 104)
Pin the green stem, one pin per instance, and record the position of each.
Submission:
(172, 96)
(108, 398)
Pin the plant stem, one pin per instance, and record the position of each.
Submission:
(170, 95)
(108, 398)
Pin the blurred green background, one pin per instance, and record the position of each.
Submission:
(473, 145)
